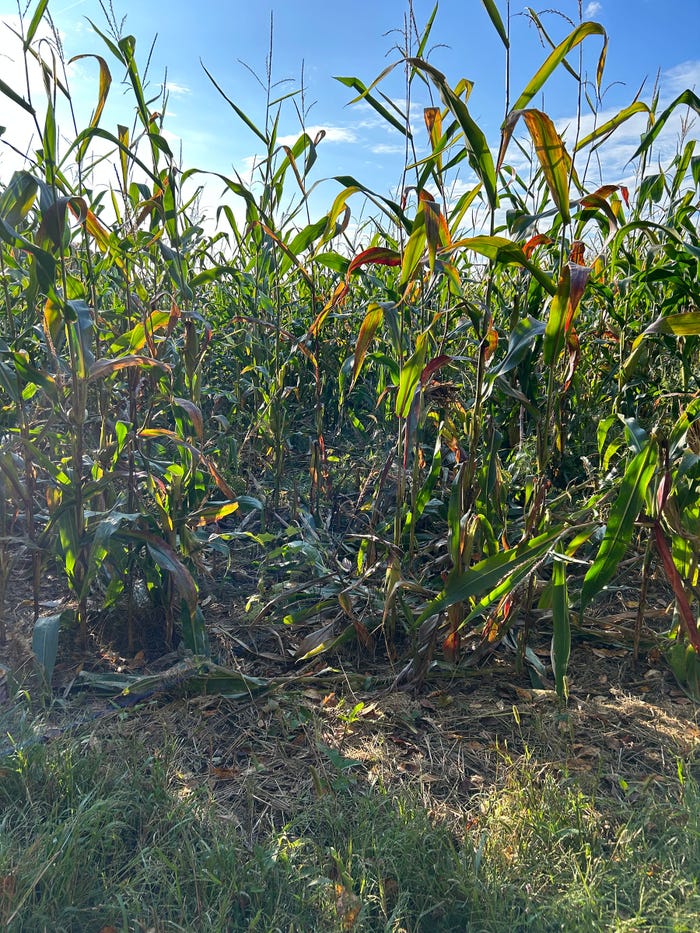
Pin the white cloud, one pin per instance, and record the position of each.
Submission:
(332, 134)
(682, 76)
(592, 10)
(177, 90)
(386, 149)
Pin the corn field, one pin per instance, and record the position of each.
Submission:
(429, 433)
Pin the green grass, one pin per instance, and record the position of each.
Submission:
(97, 836)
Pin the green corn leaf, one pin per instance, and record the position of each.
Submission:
(600, 133)
(45, 639)
(103, 91)
(554, 332)
(34, 23)
(413, 252)
(686, 99)
(679, 432)
(500, 249)
(620, 526)
(368, 328)
(521, 341)
(555, 58)
(399, 121)
(18, 198)
(194, 630)
(561, 628)
(495, 16)
(8, 92)
(410, 374)
(478, 151)
(484, 577)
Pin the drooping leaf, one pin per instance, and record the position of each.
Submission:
(103, 91)
(555, 58)
(375, 255)
(478, 152)
(500, 249)
(397, 120)
(106, 367)
(601, 133)
(554, 160)
(194, 413)
(686, 99)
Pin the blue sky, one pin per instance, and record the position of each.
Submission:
(355, 38)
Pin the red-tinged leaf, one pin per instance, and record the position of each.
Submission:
(368, 328)
(411, 428)
(611, 211)
(340, 292)
(175, 315)
(576, 253)
(53, 220)
(194, 413)
(443, 237)
(105, 367)
(362, 633)
(491, 343)
(432, 366)
(624, 191)
(674, 578)
(376, 255)
(540, 239)
(554, 160)
(579, 276)
(221, 483)
(451, 646)
(555, 328)
(663, 491)
(433, 123)
(573, 346)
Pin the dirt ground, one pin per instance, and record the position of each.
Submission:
(339, 721)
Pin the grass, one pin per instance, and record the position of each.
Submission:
(103, 834)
